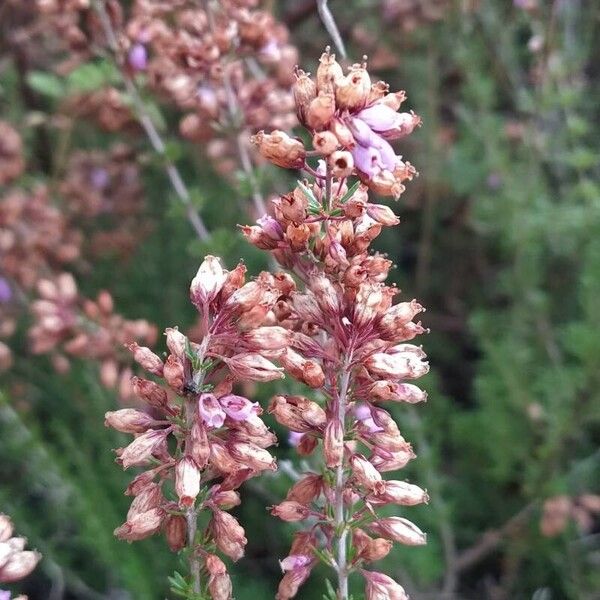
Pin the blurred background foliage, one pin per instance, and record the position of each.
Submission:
(500, 240)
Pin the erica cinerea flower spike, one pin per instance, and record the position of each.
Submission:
(348, 339)
(197, 433)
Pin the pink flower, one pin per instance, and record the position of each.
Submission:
(138, 57)
(210, 410)
(363, 414)
(367, 159)
(294, 561)
(294, 438)
(238, 408)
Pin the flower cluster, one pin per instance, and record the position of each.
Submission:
(67, 325)
(212, 61)
(15, 562)
(352, 122)
(349, 340)
(558, 511)
(104, 189)
(218, 438)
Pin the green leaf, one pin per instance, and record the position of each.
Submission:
(350, 192)
(46, 84)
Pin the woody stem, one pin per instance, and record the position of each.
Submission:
(340, 524)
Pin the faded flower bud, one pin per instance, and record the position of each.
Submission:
(207, 282)
(141, 525)
(307, 489)
(381, 587)
(291, 511)
(187, 481)
(176, 532)
(219, 582)
(146, 359)
(400, 530)
(129, 420)
(140, 451)
(366, 474)
(254, 367)
(399, 492)
(333, 444)
(279, 148)
(228, 534)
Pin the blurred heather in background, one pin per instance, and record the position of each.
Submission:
(118, 175)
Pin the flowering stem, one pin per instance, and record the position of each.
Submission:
(147, 124)
(340, 525)
(191, 515)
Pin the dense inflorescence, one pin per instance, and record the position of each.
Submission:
(350, 343)
(198, 441)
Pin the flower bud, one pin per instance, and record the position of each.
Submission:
(176, 342)
(320, 111)
(290, 511)
(148, 498)
(176, 532)
(400, 530)
(198, 446)
(140, 451)
(342, 133)
(228, 534)
(308, 371)
(279, 148)
(291, 582)
(399, 492)
(328, 72)
(325, 142)
(385, 461)
(219, 582)
(207, 282)
(352, 91)
(295, 561)
(137, 58)
(304, 90)
(394, 100)
(327, 295)
(369, 549)
(150, 392)
(224, 499)
(187, 481)
(297, 413)
(382, 214)
(342, 164)
(382, 587)
(129, 420)
(307, 489)
(365, 474)
(18, 565)
(396, 366)
(333, 444)
(397, 392)
(366, 303)
(141, 526)
(146, 359)
(252, 456)
(254, 367)
(397, 317)
(267, 338)
(292, 206)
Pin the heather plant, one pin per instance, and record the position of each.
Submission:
(498, 241)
